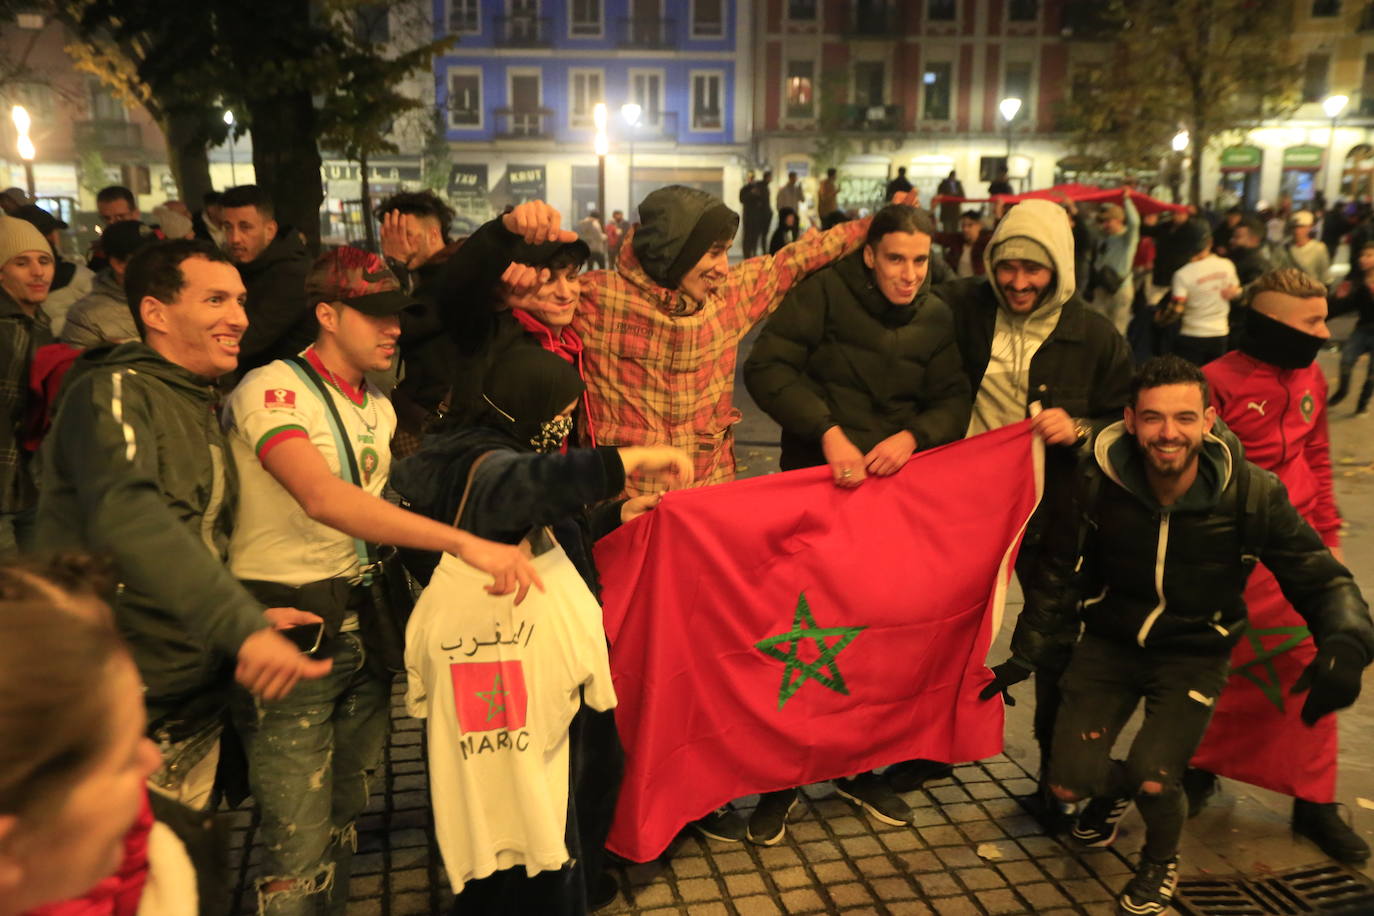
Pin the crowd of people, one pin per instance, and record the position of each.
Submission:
(245, 461)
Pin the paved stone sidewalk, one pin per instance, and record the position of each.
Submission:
(975, 850)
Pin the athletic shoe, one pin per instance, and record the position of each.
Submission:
(768, 823)
(724, 824)
(912, 774)
(1150, 891)
(1323, 825)
(1100, 821)
(1198, 787)
(871, 792)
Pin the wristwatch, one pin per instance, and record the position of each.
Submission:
(1082, 430)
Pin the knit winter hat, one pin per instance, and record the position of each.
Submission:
(18, 236)
(1021, 248)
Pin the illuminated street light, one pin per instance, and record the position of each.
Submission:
(1181, 141)
(233, 169)
(631, 112)
(1009, 107)
(22, 122)
(1333, 105)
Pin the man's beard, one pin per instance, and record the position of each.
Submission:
(1189, 459)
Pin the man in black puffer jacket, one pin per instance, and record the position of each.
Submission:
(859, 365)
(860, 368)
(1168, 523)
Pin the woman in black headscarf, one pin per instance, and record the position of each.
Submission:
(519, 479)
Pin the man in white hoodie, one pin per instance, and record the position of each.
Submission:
(1026, 337)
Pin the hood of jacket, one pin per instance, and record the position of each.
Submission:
(285, 248)
(1045, 223)
(667, 219)
(107, 284)
(1118, 455)
(858, 279)
(140, 357)
(432, 481)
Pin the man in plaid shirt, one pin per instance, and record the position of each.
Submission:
(661, 330)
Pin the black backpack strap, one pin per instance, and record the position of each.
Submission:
(1252, 521)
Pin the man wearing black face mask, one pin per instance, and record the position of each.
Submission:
(1273, 397)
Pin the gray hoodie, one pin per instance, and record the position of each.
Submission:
(1001, 398)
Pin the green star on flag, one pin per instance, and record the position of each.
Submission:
(494, 698)
(1263, 663)
(795, 670)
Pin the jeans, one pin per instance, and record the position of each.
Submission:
(1104, 682)
(1200, 350)
(310, 756)
(1116, 307)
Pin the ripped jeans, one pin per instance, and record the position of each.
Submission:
(310, 757)
(1104, 682)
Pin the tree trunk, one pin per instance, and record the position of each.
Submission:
(369, 231)
(1200, 142)
(287, 160)
(187, 155)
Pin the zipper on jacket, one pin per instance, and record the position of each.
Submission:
(1160, 549)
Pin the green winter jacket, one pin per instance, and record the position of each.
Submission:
(136, 467)
(838, 353)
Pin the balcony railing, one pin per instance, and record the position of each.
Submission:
(523, 122)
(654, 126)
(109, 134)
(871, 117)
(523, 30)
(874, 22)
(647, 32)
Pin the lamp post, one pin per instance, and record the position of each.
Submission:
(1009, 108)
(22, 122)
(1333, 105)
(233, 172)
(1180, 145)
(602, 145)
(631, 113)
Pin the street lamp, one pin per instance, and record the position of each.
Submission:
(233, 173)
(602, 145)
(631, 112)
(1333, 105)
(1009, 107)
(22, 122)
(1180, 145)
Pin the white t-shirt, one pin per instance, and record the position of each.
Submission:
(499, 685)
(1199, 284)
(274, 540)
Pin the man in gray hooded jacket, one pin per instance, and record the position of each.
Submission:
(1026, 337)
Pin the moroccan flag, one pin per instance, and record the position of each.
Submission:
(780, 631)
(1256, 734)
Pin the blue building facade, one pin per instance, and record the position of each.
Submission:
(519, 88)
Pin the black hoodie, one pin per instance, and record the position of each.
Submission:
(280, 321)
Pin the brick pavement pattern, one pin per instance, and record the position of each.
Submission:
(975, 851)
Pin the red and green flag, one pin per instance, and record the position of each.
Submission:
(780, 631)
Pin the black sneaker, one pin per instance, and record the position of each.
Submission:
(910, 775)
(724, 824)
(1323, 825)
(1100, 821)
(1198, 787)
(768, 823)
(1150, 891)
(871, 792)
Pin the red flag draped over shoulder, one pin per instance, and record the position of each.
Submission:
(780, 631)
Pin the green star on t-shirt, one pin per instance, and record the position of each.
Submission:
(796, 671)
(493, 698)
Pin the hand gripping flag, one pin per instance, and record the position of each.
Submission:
(780, 631)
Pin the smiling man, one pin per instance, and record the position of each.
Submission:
(135, 467)
(302, 518)
(860, 368)
(662, 329)
(26, 273)
(1152, 561)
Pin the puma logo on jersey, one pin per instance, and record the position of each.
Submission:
(1257, 405)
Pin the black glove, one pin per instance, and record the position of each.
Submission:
(1004, 677)
(1334, 680)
